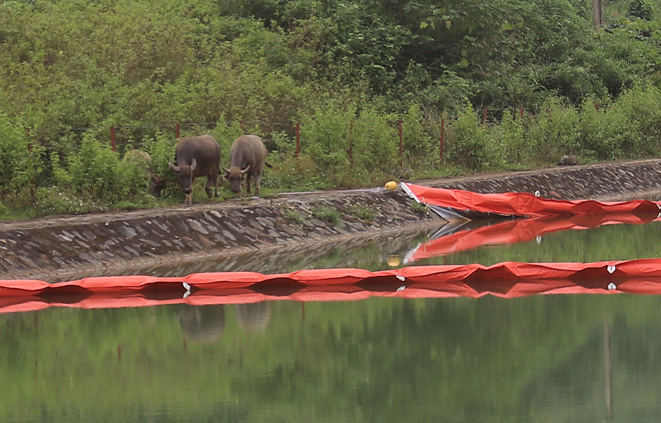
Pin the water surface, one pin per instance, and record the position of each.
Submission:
(553, 358)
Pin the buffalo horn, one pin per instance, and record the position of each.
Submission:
(173, 167)
(243, 171)
(193, 165)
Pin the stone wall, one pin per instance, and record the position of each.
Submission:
(611, 181)
(101, 244)
(74, 246)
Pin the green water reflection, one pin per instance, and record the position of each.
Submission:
(541, 358)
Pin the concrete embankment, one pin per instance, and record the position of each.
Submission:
(105, 244)
(77, 246)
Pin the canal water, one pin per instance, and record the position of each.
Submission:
(548, 358)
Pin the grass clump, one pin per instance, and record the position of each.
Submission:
(326, 213)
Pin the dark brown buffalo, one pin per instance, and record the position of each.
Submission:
(143, 159)
(247, 158)
(197, 156)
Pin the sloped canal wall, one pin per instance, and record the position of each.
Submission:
(68, 247)
(618, 181)
(58, 248)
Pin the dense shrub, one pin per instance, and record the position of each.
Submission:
(554, 132)
(512, 136)
(470, 144)
(20, 157)
(96, 173)
(420, 147)
(375, 146)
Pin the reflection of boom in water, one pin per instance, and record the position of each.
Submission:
(472, 234)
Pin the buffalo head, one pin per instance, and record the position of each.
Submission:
(236, 177)
(156, 185)
(186, 175)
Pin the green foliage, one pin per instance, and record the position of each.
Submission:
(420, 209)
(513, 139)
(294, 216)
(161, 150)
(20, 159)
(56, 200)
(641, 9)
(326, 213)
(471, 145)
(73, 69)
(96, 172)
(365, 213)
(420, 149)
(555, 132)
(375, 144)
(637, 114)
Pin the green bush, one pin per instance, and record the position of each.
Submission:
(375, 145)
(512, 136)
(21, 161)
(96, 173)
(420, 149)
(638, 115)
(471, 145)
(554, 132)
(325, 137)
(601, 133)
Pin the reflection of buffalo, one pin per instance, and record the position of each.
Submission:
(202, 323)
(253, 317)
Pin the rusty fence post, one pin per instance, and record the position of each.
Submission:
(484, 119)
(176, 131)
(112, 137)
(440, 156)
(351, 142)
(401, 145)
(298, 139)
(27, 133)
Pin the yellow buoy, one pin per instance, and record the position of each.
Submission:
(391, 186)
(393, 261)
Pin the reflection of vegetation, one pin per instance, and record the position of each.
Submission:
(381, 359)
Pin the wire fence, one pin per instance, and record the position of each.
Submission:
(121, 136)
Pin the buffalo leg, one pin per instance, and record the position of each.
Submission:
(215, 184)
(207, 187)
(248, 175)
(258, 180)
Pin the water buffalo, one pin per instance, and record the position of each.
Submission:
(143, 159)
(247, 158)
(197, 156)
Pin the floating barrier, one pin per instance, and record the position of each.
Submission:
(528, 217)
(454, 203)
(506, 280)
